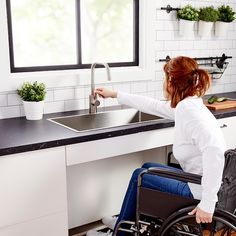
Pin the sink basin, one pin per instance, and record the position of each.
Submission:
(102, 120)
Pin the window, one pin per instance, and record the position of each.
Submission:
(72, 34)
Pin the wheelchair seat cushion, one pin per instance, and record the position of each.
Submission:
(227, 192)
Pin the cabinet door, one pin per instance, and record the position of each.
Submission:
(32, 185)
(52, 225)
(228, 126)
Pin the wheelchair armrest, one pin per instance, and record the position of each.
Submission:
(182, 176)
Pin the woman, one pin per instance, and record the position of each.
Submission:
(198, 141)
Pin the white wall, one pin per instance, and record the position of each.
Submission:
(68, 90)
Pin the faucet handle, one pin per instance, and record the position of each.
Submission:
(96, 102)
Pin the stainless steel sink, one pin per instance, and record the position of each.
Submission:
(102, 120)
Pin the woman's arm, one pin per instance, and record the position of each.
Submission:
(142, 103)
(208, 137)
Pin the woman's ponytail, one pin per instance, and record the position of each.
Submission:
(203, 81)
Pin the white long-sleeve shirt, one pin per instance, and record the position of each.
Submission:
(198, 145)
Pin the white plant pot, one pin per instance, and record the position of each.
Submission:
(33, 110)
(205, 28)
(186, 28)
(221, 29)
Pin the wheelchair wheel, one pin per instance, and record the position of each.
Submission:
(223, 224)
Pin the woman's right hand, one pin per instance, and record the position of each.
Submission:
(106, 93)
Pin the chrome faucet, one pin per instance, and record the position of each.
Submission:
(93, 101)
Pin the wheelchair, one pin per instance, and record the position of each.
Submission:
(164, 214)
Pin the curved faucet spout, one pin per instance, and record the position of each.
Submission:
(92, 74)
(94, 103)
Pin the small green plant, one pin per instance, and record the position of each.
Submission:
(32, 92)
(226, 14)
(209, 14)
(188, 13)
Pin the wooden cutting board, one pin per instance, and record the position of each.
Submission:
(220, 105)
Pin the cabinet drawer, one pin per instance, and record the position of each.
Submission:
(52, 225)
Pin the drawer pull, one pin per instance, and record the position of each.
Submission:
(223, 126)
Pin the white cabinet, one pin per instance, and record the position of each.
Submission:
(228, 126)
(32, 187)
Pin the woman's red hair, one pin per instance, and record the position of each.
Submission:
(185, 79)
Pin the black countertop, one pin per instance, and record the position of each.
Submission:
(20, 135)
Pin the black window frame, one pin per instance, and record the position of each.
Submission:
(79, 64)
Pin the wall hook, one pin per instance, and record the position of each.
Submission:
(168, 8)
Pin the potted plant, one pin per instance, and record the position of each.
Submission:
(33, 96)
(207, 17)
(225, 16)
(187, 16)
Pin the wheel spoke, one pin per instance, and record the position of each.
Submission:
(184, 226)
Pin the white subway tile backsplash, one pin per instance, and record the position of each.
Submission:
(79, 93)
(226, 44)
(186, 45)
(9, 112)
(159, 75)
(159, 45)
(49, 96)
(212, 44)
(171, 45)
(232, 35)
(13, 99)
(155, 85)
(160, 25)
(138, 87)
(200, 44)
(124, 87)
(73, 105)
(64, 94)
(22, 111)
(234, 44)
(171, 25)
(229, 87)
(87, 103)
(167, 35)
(3, 100)
(51, 107)
(161, 15)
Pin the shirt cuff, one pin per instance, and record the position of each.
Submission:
(207, 206)
(120, 97)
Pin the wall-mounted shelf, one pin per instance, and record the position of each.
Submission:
(216, 66)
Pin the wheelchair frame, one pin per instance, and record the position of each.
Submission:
(168, 207)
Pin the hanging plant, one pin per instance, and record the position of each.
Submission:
(187, 16)
(207, 17)
(225, 17)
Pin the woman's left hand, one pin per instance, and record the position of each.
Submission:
(201, 216)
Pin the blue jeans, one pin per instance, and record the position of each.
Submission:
(128, 209)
